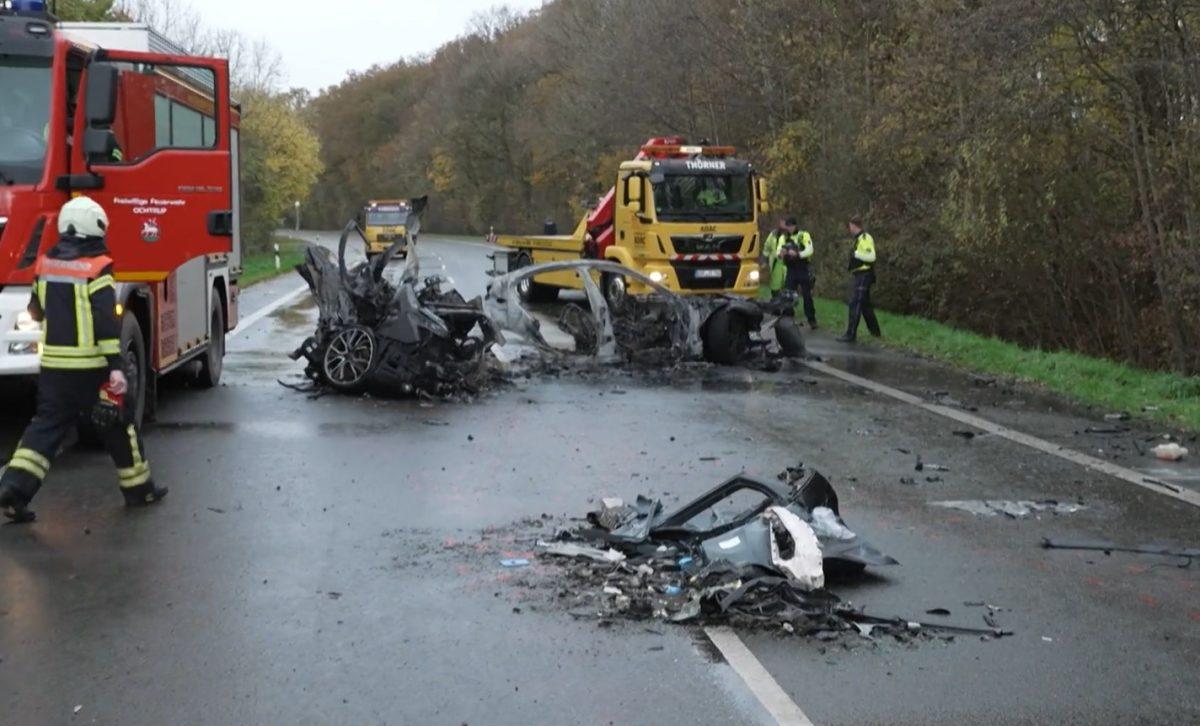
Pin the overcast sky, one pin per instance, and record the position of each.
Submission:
(322, 41)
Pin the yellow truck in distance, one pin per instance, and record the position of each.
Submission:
(685, 216)
(382, 222)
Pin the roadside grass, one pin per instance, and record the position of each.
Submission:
(259, 265)
(1171, 398)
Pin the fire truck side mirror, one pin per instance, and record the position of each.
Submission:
(764, 204)
(99, 145)
(101, 99)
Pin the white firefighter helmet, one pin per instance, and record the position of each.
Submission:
(82, 217)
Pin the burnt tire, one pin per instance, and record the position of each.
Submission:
(213, 360)
(726, 337)
(349, 358)
(789, 337)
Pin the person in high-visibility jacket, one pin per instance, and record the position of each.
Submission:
(789, 251)
(862, 270)
(75, 300)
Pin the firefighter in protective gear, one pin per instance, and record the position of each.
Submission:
(789, 252)
(862, 270)
(75, 301)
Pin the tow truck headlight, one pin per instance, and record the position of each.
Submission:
(26, 323)
(753, 276)
(657, 277)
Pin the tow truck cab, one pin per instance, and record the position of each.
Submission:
(685, 216)
(382, 224)
(114, 111)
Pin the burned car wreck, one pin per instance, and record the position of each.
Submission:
(662, 327)
(410, 336)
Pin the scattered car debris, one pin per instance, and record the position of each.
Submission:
(1110, 547)
(411, 337)
(655, 329)
(1014, 509)
(1170, 452)
(1116, 416)
(514, 562)
(569, 549)
(748, 552)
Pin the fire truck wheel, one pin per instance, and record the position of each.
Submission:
(787, 334)
(214, 358)
(133, 350)
(530, 291)
(726, 337)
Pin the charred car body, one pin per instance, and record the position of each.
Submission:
(656, 327)
(409, 337)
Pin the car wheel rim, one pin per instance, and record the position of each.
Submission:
(349, 355)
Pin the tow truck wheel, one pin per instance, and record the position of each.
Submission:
(614, 288)
(530, 291)
(133, 356)
(214, 358)
(349, 358)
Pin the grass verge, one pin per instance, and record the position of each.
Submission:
(259, 265)
(1165, 397)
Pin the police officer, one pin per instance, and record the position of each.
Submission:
(862, 271)
(789, 251)
(75, 301)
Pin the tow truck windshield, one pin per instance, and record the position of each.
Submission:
(706, 197)
(24, 118)
(391, 218)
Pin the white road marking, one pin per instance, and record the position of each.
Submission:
(245, 323)
(764, 687)
(1104, 467)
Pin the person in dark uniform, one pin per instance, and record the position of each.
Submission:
(862, 270)
(75, 300)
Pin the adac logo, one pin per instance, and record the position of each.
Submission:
(150, 231)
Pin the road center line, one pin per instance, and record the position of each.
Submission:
(764, 687)
(1183, 494)
(245, 323)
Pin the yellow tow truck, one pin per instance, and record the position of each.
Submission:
(382, 222)
(685, 216)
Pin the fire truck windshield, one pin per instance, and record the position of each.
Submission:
(24, 118)
(705, 197)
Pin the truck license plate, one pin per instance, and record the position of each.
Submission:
(708, 273)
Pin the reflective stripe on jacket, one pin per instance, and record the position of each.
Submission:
(78, 303)
(862, 258)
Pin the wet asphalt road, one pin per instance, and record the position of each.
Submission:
(308, 566)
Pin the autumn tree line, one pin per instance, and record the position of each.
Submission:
(279, 150)
(1028, 167)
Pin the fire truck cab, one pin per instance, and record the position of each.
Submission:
(116, 112)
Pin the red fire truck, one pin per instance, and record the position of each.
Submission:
(115, 112)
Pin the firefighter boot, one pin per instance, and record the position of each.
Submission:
(143, 495)
(14, 504)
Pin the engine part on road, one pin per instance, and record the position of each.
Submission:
(409, 337)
